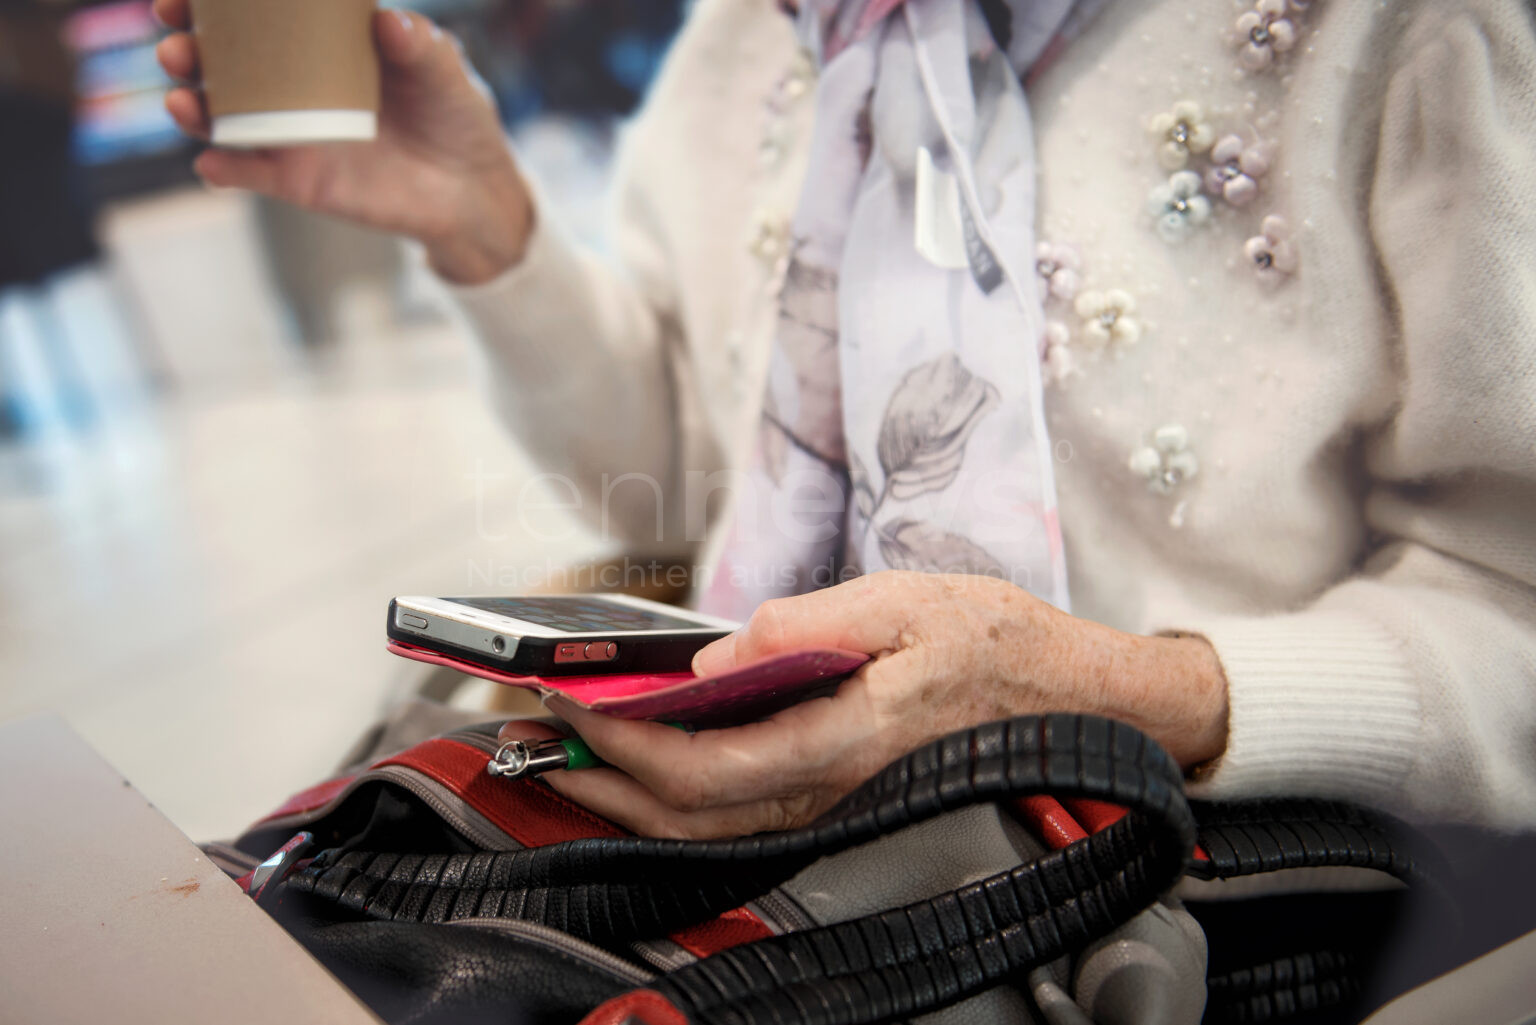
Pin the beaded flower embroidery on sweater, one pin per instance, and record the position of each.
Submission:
(1236, 163)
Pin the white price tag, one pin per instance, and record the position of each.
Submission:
(939, 234)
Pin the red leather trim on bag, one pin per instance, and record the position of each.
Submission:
(529, 812)
(543, 816)
(645, 1006)
(1093, 815)
(1048, 820)
(533, 815)
(729, 930)
(316, 796)
(536, 816)
(1064, 822)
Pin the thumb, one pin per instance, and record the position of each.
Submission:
(847, 616)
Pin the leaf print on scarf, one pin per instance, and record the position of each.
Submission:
(772, 441)
(914, 545)
(811, 418)
(864, 131)
(863, 490)
(853, 560)
(930, 417)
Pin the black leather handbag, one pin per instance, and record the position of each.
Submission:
(441, 894)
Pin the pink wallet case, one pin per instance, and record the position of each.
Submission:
(743, 694)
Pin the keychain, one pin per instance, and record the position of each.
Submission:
(518, 758)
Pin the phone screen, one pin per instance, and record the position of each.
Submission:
(580, 615)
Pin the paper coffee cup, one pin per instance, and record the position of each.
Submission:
(288, 72)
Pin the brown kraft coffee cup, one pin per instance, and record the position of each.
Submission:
(287, 72)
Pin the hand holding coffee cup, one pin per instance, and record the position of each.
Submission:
(437, 168)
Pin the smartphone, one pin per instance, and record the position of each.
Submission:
(556, 635)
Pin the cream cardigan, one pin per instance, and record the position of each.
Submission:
(1359, 543)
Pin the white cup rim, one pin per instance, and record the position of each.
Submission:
(294, 127)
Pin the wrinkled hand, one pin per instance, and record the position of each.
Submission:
(946, 652)
(439, 171)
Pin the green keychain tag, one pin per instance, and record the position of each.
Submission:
(580, 756)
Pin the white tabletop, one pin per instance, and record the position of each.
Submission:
(111, 914)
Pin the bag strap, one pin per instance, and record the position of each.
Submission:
(912, 960)
(1253, 837)
(933, 953)
(902, 962)
(1243, 838)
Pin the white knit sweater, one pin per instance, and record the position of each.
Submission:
(1359, 543)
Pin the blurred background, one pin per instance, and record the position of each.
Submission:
(229, 430)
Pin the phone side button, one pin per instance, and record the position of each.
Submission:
(569, 653)
(600, 651)
(409, 621)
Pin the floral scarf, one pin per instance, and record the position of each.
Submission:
(903, 425)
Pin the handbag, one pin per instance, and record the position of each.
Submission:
(1039, 854)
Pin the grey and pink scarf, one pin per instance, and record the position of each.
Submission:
(903, 425)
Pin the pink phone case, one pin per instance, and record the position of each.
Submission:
(745, 693)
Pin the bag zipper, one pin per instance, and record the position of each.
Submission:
(663, 955)
(473, 826)
(473, 739)
(467, 821)
(564, 943)
(781, 912)
(777, 910)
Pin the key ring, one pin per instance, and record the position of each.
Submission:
(510, 760)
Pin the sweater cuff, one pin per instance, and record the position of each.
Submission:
(524, 312)
(540, 253)
(1320, 704)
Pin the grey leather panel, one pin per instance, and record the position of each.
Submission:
(1150, 971)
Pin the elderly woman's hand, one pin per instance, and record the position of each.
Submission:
(946, 652)
(439, 172)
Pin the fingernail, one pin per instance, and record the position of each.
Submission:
(405, 21)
